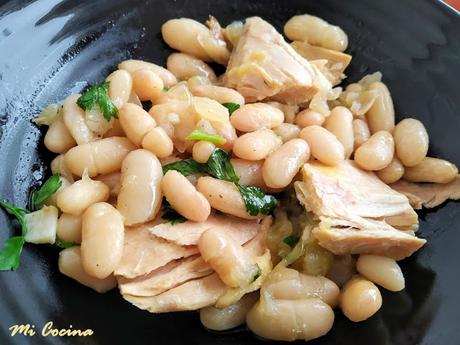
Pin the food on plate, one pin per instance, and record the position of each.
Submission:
(266, 195)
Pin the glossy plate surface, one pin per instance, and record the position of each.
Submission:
(50, 48)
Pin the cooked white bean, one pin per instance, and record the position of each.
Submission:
(69, 228)
(99, 157)
(136, 122)
(287, 131)
(431, 170)
(234, 265)
(381, 270)
(411, 142)
(392, 173)
(218, 93)
(223, 196)
(147, 85)
(184, 198)
(58, 138)
(376, 153)
(249, 172)
(324, 145)
(70, 265)
(202, 150)
(290, 284)
(289, 320)
(74, 119)
(340, 123)
(226, 131)
(254, 116)
(115, 131)
(113, 181)
(381, 116)
(289, 110)
(140, 195)
(256, 145)
(133, 65)
(58, 166)
(229, 317)
(182, 34)
(361, 132)
(81, 194)
(102, 239)
(283, 164)
(316, 31)
(308, 117)
(158, 142)
(360, 299)
(185, 66)
(120, 87)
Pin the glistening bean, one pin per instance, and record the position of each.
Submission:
(133, 65)
(287, 131)
(218, 93)
(102, 240)
(340, 123)
(136, 122)
(58, 138)
(140, 195)
(120, 87)
(431, 170)
(376, 153)
(381, 116)
(381, 270)
(202, 150)
(184, 198)
(249, 172)
(392, 173)
(282, 165)
(324, 145)
(158, 142)
(70, 265)
(99, 157)
(147, 85)
(309, 117)
(69, 228)
(251, 117)
(185, 66)
(74, 119)
(256, 145)
(361, 132)
(411, 142)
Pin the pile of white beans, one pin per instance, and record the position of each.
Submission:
(112, 173)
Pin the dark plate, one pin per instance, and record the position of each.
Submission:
(50, 48)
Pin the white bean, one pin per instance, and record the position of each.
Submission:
(411, 142)
(431, 170)
(361, 132)
(340, 123)
(58, 138)
(251, 117)
(120, 87)
(218, 93)
(147, 85)
(74, 119)
(70, 265)
(392, 173)
(249, 172)
(102, 240)
(158, 142)
(324, 145)
(287, 131)
(308, 117)
(282, 165)
(381, 270)
(69, 228)
(202, 150)
(256, 145)
(136, 122)
(140, 195)
(184, 198)
(185, 66)
(381, 115)
(376, 153)
(133, 65)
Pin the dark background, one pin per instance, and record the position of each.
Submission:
(50, 48)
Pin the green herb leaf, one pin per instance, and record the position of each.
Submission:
(12, 247)
(64, 244)
(291, 240)
(231, 107)
(170, 215)
(48, 188)
(220, 167)
(205, 136)
(256, 201)
(257, 274)
(166, 89)
(98, 94)
(186, 167)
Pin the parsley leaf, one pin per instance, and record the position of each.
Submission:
(205, 136)
(256, 201)
(220, 167)
(64, 244)
(98, 94)
(12, 247)
(291, 240)
(48, 188)
(231, 107)
(186, 167)
(257, 274)
(170, 215)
